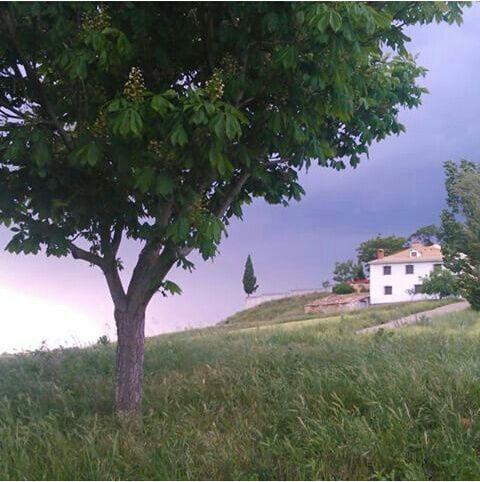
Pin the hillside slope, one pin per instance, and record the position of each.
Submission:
(285, 309)
(312, 403)
(292, 309)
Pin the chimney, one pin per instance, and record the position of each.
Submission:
(380, 254)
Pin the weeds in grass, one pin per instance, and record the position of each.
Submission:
(308, 403)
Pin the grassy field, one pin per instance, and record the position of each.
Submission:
(292, 309)
(277, 311)
(316, 402)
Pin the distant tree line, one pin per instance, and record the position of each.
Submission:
(458, 234)
(348, 270)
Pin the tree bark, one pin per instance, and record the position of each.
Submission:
(130, 354)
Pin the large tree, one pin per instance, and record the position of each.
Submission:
(367, 250)
(460, 234)
(347, 271)
(427, 235)
(159, 121)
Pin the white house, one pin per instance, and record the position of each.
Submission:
(397, 277)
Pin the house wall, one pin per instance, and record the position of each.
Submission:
(399, 281)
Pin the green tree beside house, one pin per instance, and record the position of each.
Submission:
(460, 231)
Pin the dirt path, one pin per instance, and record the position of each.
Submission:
(413, 319)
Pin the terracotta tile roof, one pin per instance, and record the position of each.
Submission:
(334, 299)
(424, 254)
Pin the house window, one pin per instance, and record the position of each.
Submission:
(418, 289)
(387, 270)
(413, 253)
(409, 269)
(387, 290)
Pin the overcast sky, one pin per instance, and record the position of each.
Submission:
(397, 190)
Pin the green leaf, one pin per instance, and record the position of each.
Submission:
(232, 127)
(78, 67)
(179, 135)
(199, 117)
(40, 153)
(287, 57)
(135, 122)
(116, 105)
(210, 108)
(276, 122)
(178, 231)
(160, 104)
(93, 154)
(170, 94)
(300, 17)
(170, 287)
(323, 22)
(296, 191)
(218, 160)
(128, 122)
(90, 154)
(218, 125)
(243, 156)
(164, 184)
(335, 21)
(123, 45)
(144, 179)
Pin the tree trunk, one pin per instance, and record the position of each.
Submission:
(130, 354)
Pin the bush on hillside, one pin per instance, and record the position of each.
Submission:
(343, 289)
(441, 282)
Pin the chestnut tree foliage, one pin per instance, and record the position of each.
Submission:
(160, 121)
(460, 232)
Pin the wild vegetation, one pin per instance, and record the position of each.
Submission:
(441, 283)
(292, 309)
(315, 402)
(276, 311)
(159, 122)
(460, 230)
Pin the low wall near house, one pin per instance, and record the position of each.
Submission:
(251, 301)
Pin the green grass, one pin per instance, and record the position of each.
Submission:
(316, 402)
(292, 309)
(276, 311)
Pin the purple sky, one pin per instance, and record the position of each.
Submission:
(397, 190)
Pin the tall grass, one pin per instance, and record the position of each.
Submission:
(276, 311)
(292, 309)
(312, 403)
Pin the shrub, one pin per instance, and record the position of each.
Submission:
(440, 282)
(103, 340)
(343, 289)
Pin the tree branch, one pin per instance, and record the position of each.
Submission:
(35, 81)
(235, 189)
(79, 253)
(109, 247)
(115, 285)
(117, 238)
(275, 161)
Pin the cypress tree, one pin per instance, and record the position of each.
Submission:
(249, 279)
